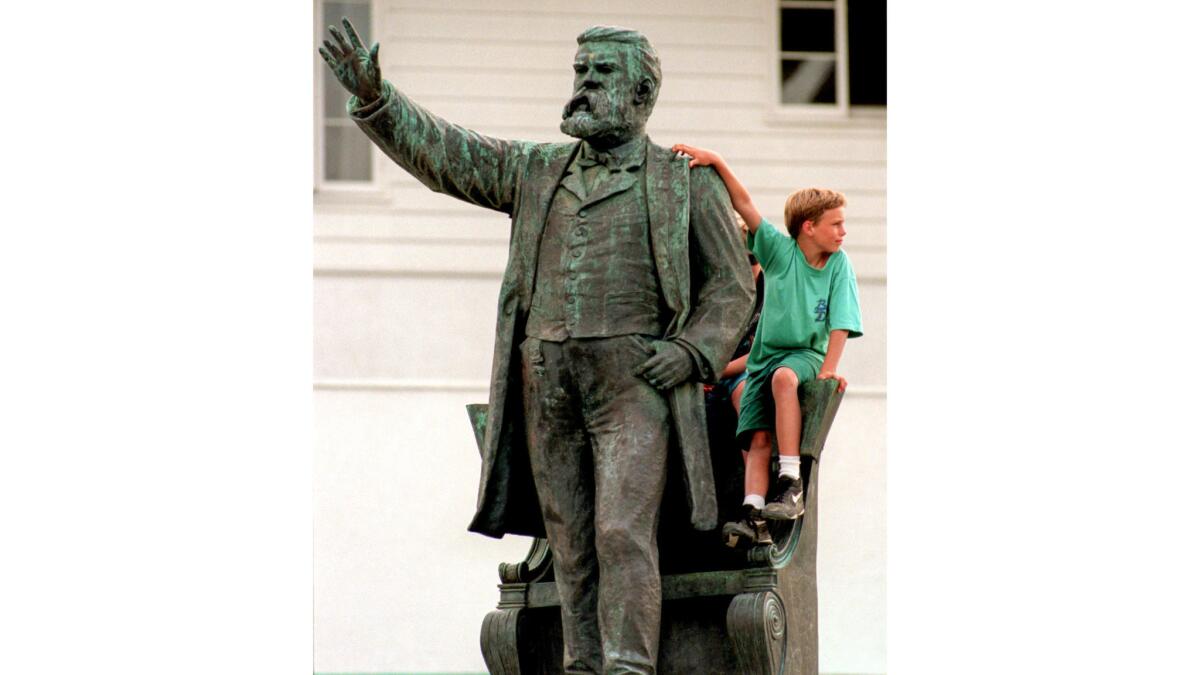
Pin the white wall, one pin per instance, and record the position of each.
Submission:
(405, 294)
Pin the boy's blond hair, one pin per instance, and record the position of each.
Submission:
(809, 204)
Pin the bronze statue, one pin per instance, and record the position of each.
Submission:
(626, 288)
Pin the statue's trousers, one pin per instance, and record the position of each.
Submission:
(597, 437)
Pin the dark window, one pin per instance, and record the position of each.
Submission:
(867, 28)
(806, 30)
(811, 65)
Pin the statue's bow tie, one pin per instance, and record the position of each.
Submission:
(592, 158)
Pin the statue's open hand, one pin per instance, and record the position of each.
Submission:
(670, 365)
(352, 65)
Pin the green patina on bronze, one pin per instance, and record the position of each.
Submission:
(626, 288)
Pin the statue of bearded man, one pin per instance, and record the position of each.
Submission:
(626, 288)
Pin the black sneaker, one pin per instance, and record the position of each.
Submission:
(789, 503)
(750, 531)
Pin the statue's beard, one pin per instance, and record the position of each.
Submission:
(594, 114)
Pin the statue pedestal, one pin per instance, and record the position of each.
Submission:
(724, 610)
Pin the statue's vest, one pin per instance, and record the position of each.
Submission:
(595, 274)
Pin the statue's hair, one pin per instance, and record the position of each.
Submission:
(647, 57)
(809, 204)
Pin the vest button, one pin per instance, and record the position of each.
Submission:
(583, 214)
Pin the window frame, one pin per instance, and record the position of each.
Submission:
(840, 110)
(321, 184)
(841, 58)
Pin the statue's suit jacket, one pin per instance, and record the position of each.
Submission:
(698, 254)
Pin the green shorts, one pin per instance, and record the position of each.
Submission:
(758, 405)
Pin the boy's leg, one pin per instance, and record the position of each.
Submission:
(755, 411)
(758, 466)
(784, 385)
(789, 503)
(751, 529)
(736, 399)
(736, 396)
(754, 408)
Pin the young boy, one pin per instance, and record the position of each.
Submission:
(810, 309)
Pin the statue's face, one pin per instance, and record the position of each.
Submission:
(603, 110)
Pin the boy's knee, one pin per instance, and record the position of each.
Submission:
(784, 379)
(760, 439)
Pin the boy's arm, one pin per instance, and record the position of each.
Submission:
(837, 342)
(737, 192)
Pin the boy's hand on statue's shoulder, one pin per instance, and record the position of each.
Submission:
(700, 156)
(829, 374)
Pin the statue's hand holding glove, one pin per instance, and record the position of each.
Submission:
(670, 366)
(352, 65)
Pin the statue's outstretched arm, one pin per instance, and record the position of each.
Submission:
(447, 158)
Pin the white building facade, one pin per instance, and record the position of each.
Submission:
(406, 283)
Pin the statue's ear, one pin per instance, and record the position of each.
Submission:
(642, 92)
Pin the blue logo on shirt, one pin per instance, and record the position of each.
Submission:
(822, 310)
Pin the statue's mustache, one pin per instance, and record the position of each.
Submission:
(589, 100)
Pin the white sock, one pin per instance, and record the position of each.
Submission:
(789, 466)
(757, 501)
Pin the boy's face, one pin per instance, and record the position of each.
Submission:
(829, 230)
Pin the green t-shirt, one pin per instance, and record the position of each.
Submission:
(803, 303)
